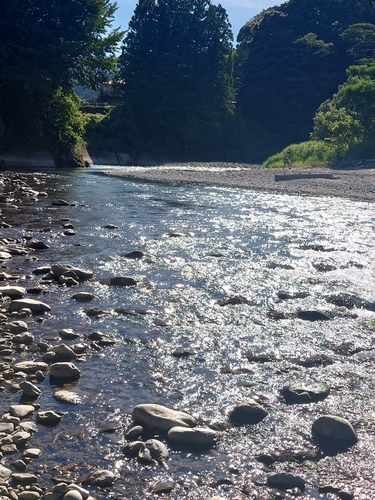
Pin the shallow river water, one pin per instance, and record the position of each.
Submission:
(216, 262)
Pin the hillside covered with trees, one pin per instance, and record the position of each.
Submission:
(302, 72)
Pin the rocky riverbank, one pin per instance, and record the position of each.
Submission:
(355, 181)
(26, 361)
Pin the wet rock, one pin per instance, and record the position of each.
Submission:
(193, 437)
(259, 358)
(285, 295)
(101, 477)
(31, 453)
(60, 203)
(160, 417)
(42, 270)
(95, 312)
(233, 301)
(5, 474)
(316, 360)
(122, 281)
(313, 316)
(14, 292)
(23, 338)
(30, 390)
(24, 478)
(21, 411)
(29, 495)
(333, 433)
(62, 352)
(298, 393)
(180, 352)
(6, 427)
(64, 371)
(21, 437)
(68, 281)
(285, 481)
(30, 366)
(133, 448)
(323, 267)
(60, 269)
(72, 495)
(136, 255)
(83, 297)
(67, 397)
(48, 418)
(16, 327)
(163, 487)
(249, 412)
(134, 433)
(157, 449)
(69, 334)
(37, 245)
(35, 306)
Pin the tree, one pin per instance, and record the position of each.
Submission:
(47, 46)
(176, 68)
(293, 58)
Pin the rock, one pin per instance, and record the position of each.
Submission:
(132, 434)
(31, 453)
(64, 371)
(68, 280)
(5, 255)
(122, 281)
(286, 482)
(134, 255)
(37, 245)
(67, 397)
(16, 327)
(60, 203)
(69, 334)
(160, 417)
(297, 393)
(110, 226)
(34, 305)
(285, 295)
(157, 449)
(4, 474)
(193, 437)
(313, 316)
(48, 417)
(333, 433)
(60, 269)
(24, 478)
(14, 292)
(132, 449)
(42, 270)
(30, 366)
(30, 389)
(6, 427)
(23, 338)
(62, 353)
(28, 495)
(85, 494)
(163, 487)
(21, 411)
(83, 296)
(21, 437)
(95, 312)
(233, 301)
(72, 495)
(102, 478)
(249, 412)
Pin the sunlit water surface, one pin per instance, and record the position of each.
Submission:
(203, 245)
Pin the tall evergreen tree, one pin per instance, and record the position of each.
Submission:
(47, 46)
(176, 68)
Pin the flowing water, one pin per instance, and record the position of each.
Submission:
(215, 262)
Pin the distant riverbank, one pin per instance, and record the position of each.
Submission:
(356, 181)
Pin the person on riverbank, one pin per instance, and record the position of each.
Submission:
(286, 160)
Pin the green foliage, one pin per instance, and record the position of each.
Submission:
(310, 153)
(293, 57)
(176, 68)
(45, 48)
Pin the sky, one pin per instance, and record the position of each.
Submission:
(239, 11)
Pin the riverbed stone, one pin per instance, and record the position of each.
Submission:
(122, 281)
(197, 436)
(160, 417)
(102, 477)
(30, 366)
(16, 327)
(48, 417)
(83, 296)
(60, 269)
(28, 495)
(14, 292)
(332, 432)
(6, 427)
(36, 306)
(24, 478)
(64, 371)
(21, 411)
(313, 316)
(135, 255)
(297, 393)
(30, 389)
(249, 412)
(60, 203)
(21, 437)
(72, 495)
(76, 487)
(157, 449)
(23, 338)
(284, 481)
(5, 474)
(67, 397)
(31, 453)
(133, 448)
(62, 352)
(69, 334)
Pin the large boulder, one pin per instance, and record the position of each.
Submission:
(249, 412)
(333, 433)
(36, 306)
(160, 417)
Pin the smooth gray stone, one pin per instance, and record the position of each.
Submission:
(35, 306)
(64, 370)
(160, 417)
(198, 436)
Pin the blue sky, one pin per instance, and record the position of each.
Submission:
(239, 11)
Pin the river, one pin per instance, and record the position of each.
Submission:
(219, 266)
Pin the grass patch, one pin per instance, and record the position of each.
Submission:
(305, 154)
